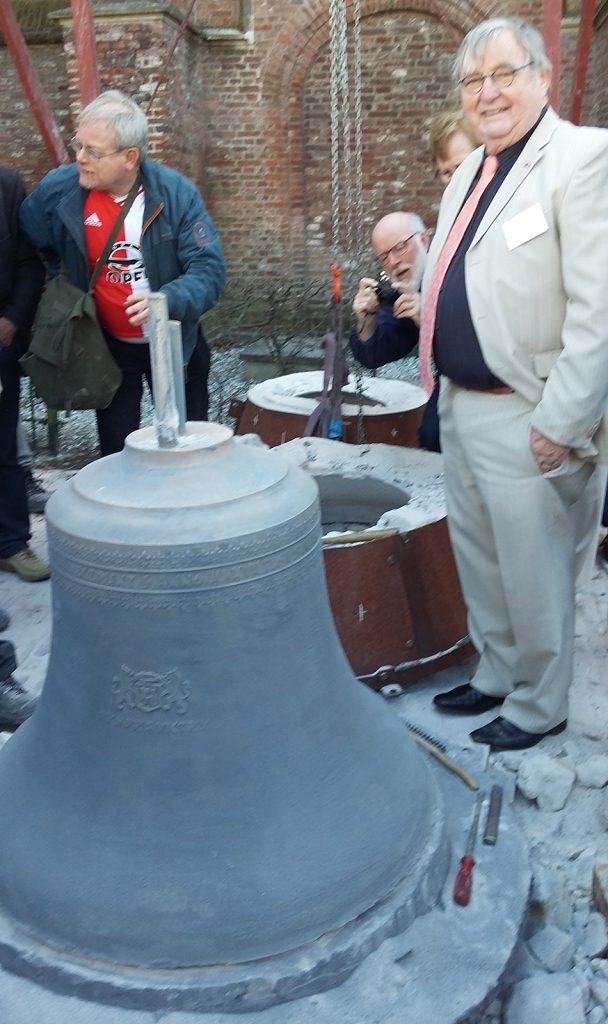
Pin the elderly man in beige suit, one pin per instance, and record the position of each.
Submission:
(515, 318)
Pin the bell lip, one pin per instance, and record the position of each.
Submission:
(318, 965)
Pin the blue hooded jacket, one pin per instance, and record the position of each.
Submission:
(180, 244)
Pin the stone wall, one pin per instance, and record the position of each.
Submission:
(245, 110)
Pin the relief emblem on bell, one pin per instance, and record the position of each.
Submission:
(148, 691)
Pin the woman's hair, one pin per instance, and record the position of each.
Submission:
(443, 126)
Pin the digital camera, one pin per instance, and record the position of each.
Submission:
(387, 295)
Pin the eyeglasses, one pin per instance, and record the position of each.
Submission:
(398, 249)
(502, 79)
(76, 146)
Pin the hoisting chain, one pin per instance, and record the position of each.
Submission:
(334, 110)
(358, 215)
(358, 205)
(347, 244)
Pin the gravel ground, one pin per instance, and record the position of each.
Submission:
(561, 797)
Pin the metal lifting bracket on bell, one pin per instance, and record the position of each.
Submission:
(167, 361)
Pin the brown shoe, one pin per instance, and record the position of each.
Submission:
(27, 565)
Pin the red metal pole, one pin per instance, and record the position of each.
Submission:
(583, 46)
(552, 30)
(32, 86)
(163, 74)
(86, 50)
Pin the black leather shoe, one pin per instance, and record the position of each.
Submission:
(465, 700)
(503, 735)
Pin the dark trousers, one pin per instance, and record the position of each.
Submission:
(8, 662)
(122, 416)
(14, 519)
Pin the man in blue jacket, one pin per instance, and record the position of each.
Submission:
(168, 243)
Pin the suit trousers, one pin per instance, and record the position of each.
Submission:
(515, 534)
(14, 518)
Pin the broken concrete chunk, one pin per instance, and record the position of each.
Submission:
(599, 990)
(524, 964)
(546, 885)
(553, 948)
(595, 936)
(511, 759)
(556, 998)
(604, 809)
(600, 888)
(545, 780)
(597, 1015)
(593, 772)
(559, 911)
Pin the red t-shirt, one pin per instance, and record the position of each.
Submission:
(124, 272)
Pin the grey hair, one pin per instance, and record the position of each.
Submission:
(124, 115)
(475, 42)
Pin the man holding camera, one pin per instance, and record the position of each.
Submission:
(388, 311)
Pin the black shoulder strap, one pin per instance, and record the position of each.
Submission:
(126, 206)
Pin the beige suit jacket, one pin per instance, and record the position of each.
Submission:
(538, 287)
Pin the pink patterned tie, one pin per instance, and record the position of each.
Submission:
(429, 312)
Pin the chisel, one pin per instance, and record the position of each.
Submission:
(464, 878)
(490, 832)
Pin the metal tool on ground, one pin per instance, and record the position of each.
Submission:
(355, 538)
(464, 879)
(490, 832)
(438, 750)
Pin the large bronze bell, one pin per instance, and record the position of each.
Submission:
(204, 790)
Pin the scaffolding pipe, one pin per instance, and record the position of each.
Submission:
(86, 50)
(32, 86)
(552, 33)
(581, 61)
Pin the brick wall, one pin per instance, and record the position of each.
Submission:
(406, 61)
(595, 108)
(248, 119)
(23, 149)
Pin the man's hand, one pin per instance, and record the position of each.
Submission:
(407, 305)
(136, 307)
(365, 307)
(8, 331)
(366, 300)
(548, 454)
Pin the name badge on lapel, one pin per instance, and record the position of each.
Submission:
(526, 225)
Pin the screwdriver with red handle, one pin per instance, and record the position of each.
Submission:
(464, 879)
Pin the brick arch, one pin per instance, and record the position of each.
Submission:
(285, 74)
(298, 42)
